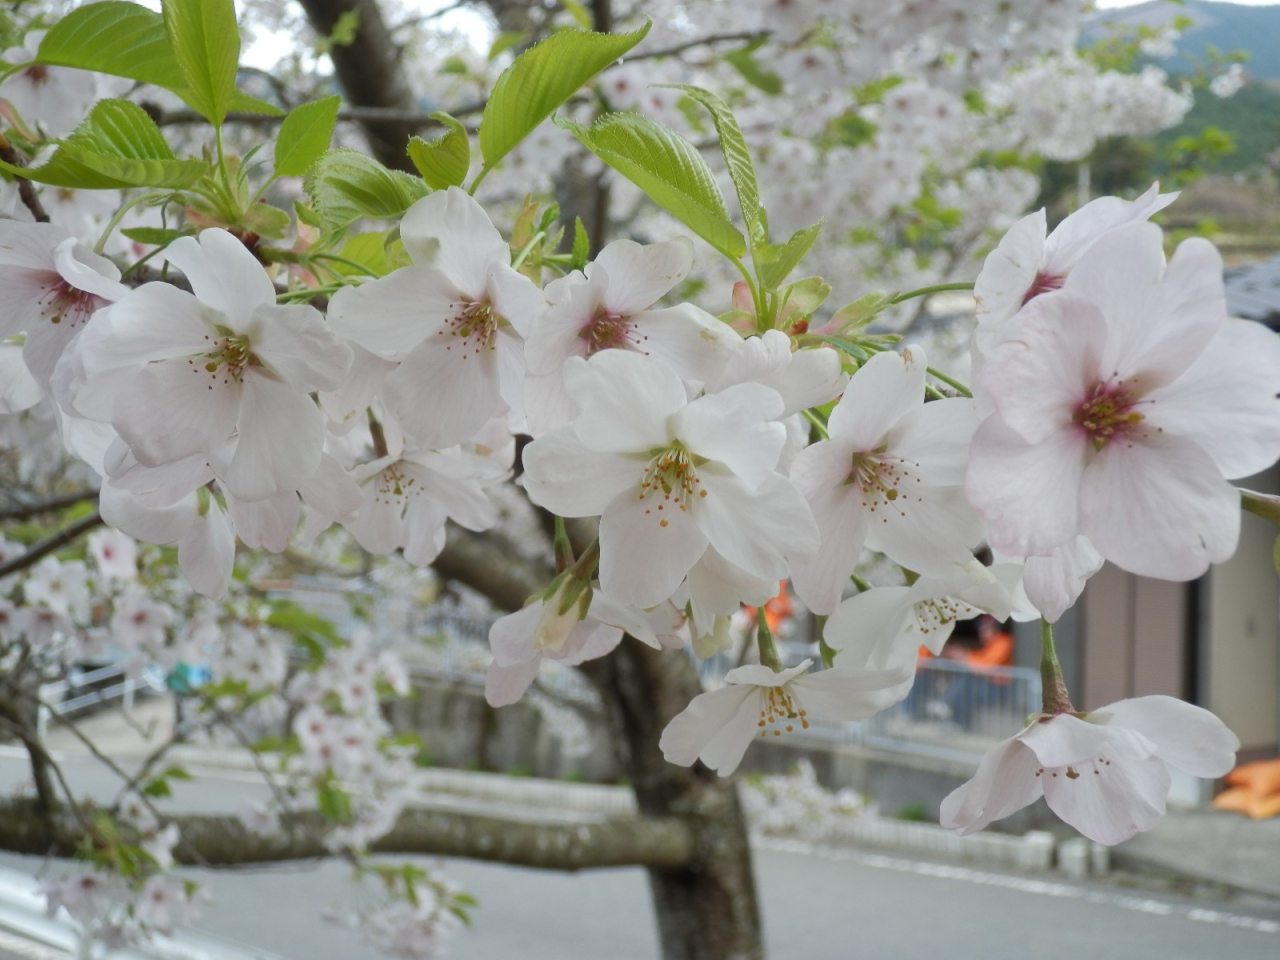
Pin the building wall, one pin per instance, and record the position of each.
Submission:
(1133, 639)
(1239, 667)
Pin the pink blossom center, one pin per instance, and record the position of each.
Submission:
(37, 74)
(779, 707)
(1043, 283)
(606, 331)
(475, 324)
(1107, 413)
(60, 299)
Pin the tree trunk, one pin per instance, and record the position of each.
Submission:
(707, 909)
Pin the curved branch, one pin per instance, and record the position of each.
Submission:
(743, 35)
(28, 510)
(363, 115)
(49, 544)
(216, 840)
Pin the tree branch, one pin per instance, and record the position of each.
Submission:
(216, 840)
(744, 35)
(49, 544)
(26, 189)
(362, 115)
(29, 510)
(484, 564)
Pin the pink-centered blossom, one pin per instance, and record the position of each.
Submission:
(612, 305)
(1123, 404)
(221, 375)
(669, 476)
(889, 477)
(50, 285)
(455, 320)
(1104, 772)
(1027, 264)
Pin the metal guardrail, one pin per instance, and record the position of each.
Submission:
(87, 688)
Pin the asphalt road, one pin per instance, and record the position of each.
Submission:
(819, 904)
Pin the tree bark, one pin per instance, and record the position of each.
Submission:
(368, 70)
(220, 841)
(706, 908)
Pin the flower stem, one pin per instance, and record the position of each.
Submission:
(564, 550)
(955, 385)
(927, 291)
(1056, 699)
(764, 642)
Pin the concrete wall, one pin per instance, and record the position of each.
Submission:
(1240, 658)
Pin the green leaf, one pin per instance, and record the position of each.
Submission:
(118, 145)
(367, 249)
(579, 13)
(346, 185)
(443, 162)
(175, 773)
(268, 222)
(737, 158)
(126, 40)
(540, 80)
(206, 41)
(154, 236)
(581, 246)
(304, 136)
(776, 260)
(853, 317)
(668, 168)
(505, 41)
(743, 61)
(122, 39)
(334, 804)
(846, 346)
(158, 788)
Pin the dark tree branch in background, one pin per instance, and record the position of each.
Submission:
(26, 189)
(369, 74)
(28, 510)
(745, 36)
(428, 17)
(215, 840)
(48, 545)
(416, 119)
(486, 565)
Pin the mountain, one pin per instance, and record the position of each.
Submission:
(1225, 26)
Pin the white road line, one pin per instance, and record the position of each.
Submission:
(1044, 888)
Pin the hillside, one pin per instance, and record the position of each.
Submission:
(1225, 26)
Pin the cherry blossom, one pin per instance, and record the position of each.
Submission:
(888, 478)
(1102, 772)
(669, 476)
(1123, 404)
(456, 320)
(611, 305)
(222, 375)
(55, 99)
(572, 623)
(884, 627)
(50, 285)
(115, 554)
(1027, 264)
(756, 701)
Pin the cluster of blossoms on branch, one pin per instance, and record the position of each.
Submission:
(699, 459)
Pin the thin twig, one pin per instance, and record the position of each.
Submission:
(276, 791)
(27, 511)
(49, 544)
(744, 35)
(428, 17)
(26, 189)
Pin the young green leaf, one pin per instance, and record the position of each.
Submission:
(776, 260)
(736, 157)
(118, 145)
(745, 63)
(540, 80)
(346, 185)
(122, 39)
(126, 40)
(154, 236)
(443, 162)
(304, 136)
(668, 168)
(206, 41)
(581, 245)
